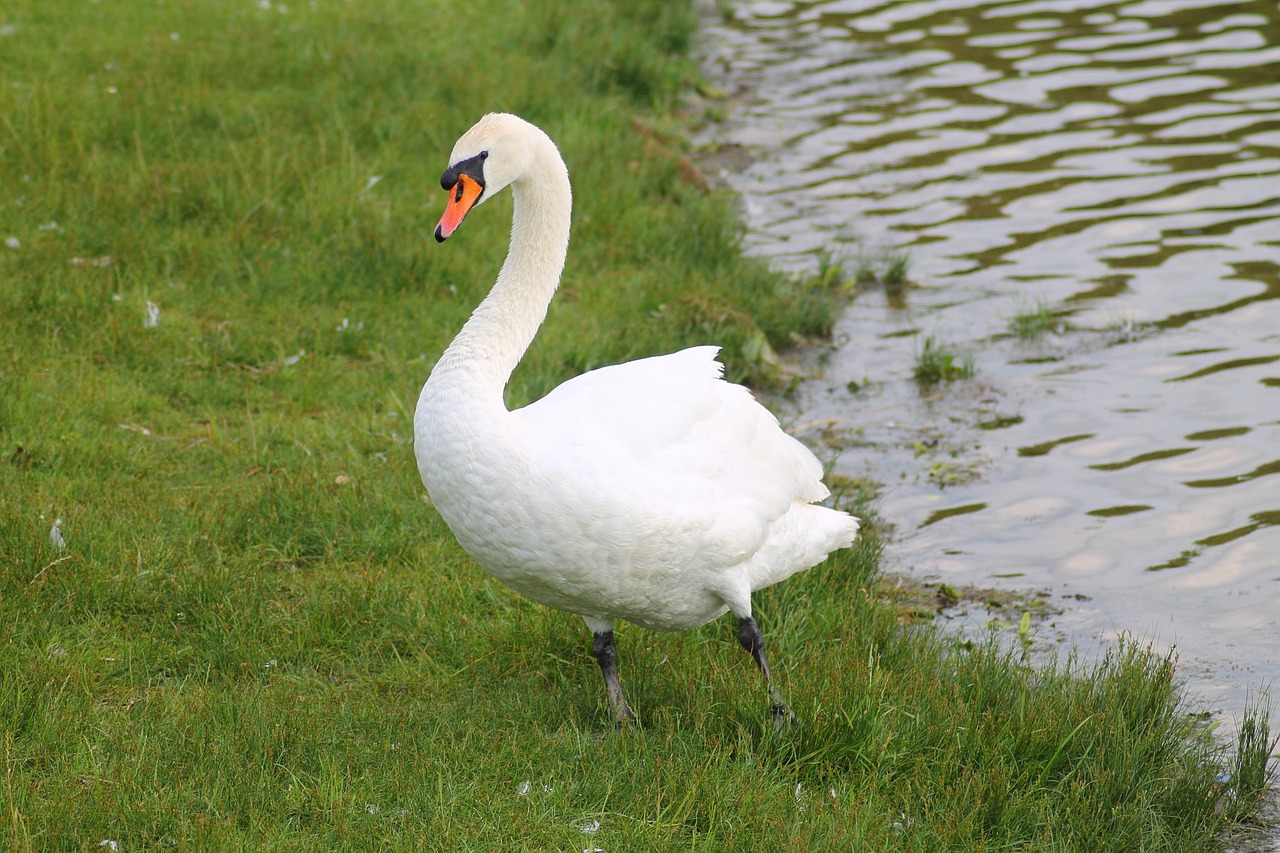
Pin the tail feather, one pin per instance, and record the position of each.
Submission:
(799, 540)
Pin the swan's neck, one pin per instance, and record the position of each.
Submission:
(483, 355)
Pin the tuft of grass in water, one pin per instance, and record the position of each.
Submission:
(831, 270)
(896, 265)
(1034, 322)
(1252, 771)
(938, 362)
(834, 271)
(889, 267)
(1122, 328)
(253, 631)
(865, 270)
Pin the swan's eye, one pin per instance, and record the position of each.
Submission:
(484, 155)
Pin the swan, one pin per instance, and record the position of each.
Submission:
(651, 491)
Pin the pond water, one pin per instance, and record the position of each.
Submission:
(1108, 170)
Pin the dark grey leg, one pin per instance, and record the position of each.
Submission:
(606, 652)
(752, 640)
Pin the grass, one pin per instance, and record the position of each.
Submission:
(258, 635)
(831, 269)
(1034, 322)
(888, 267)
(1252, 772)
(938, 362)
(896, 265)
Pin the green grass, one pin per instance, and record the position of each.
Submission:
(1034, 322)
(936, 361)
(831, 269)
(1252, 771)
(896, 265)
(888, 267)
(260, 636)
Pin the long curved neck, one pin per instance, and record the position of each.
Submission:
(493, 341)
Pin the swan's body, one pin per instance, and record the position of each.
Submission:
(651, 491)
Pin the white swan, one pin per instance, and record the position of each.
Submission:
(651, 491)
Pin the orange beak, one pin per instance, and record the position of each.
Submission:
(464, 195)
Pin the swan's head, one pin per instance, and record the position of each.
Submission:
(495, 152)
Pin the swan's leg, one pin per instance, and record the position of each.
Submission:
(752, 640)
(606, 652)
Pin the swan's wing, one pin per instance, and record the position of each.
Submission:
(675, 415)
(666, 442)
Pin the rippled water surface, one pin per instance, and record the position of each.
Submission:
(1115, 166)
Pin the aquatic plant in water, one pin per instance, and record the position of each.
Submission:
(937, 362)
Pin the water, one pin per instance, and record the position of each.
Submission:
(1113, 164)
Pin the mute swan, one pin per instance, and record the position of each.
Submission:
(651, 491)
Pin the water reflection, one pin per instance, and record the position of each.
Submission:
(1116, 164)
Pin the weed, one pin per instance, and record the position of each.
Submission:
(946, 473)
(888, 267)
(831, 270)
(896, 264)
(1252, 771)
(864, 270)
(936, 362)
(1033, 323)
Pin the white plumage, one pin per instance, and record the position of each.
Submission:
(651, 491)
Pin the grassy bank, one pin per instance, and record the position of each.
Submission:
(218, 300)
